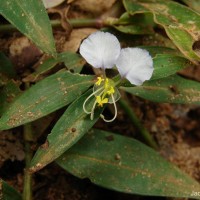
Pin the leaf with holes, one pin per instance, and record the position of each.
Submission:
(181, 24)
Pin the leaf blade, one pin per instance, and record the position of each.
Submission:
(48, 95)
(165, 65)
(31, 18)
(181, 28)
(173, 89)
(7, 192)
(72, 61)
(137, 170)
(72, 125)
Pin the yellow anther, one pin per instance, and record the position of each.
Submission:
(99, 80)
(101, 101)
(106, 83)
(111, 90)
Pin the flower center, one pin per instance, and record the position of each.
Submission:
(108, 88)
(105, 92)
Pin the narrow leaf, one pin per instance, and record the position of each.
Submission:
(164, 65)
(45, 97)
(6, 66)
(173, 89)
(126, 165)
(31, 18)
(155, 50)
(136, 25)
(7, 192)
(73, 124)
(8, 94)
(181, 24)
(73, 62)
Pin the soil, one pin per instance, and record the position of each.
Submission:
(175, 128)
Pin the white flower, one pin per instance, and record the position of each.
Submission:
(135, 64)
(100, 50)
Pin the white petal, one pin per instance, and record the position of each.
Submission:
(100, 49)
(135, 64)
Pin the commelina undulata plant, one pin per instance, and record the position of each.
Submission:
(102, 50)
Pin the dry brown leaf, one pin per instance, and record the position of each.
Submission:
(23, 52)
(62, 12)
(77, 35)
(95, 7)
(52, 3)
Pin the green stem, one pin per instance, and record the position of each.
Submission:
(78, 23)
(75, 23)
(27, 190)
(145, 134)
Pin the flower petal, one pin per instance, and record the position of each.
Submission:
(100, 49)
(135, 64)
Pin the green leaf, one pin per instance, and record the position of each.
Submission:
(194, 4)
(6, 66)
(155, 50)
(31, 18)
(8, 94)
(7, 192)
(133, 29)
(73, 124)
(181, 24)
(126, 165)
(164, 65)
(173, 89)
(136, 25)
(45, 97)
(73, 62)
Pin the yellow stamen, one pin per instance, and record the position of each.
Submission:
(101, 101)
(106, 83)
(111, 90)
(99, 80)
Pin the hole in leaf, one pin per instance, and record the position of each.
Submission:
(196, 46)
